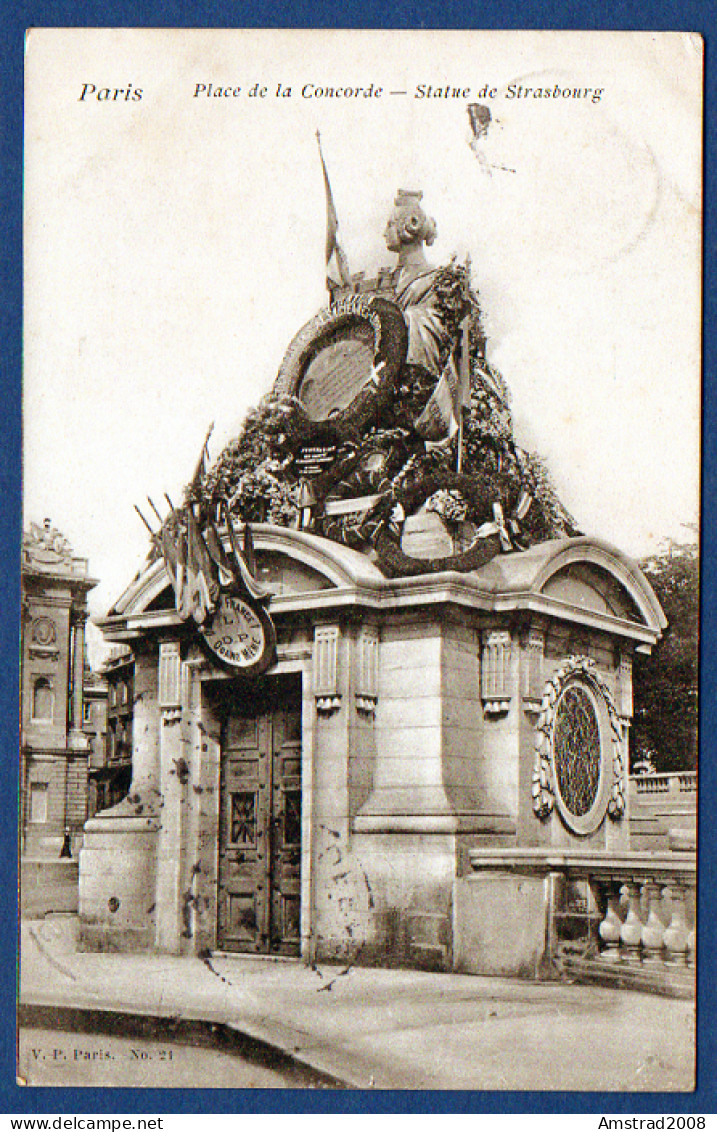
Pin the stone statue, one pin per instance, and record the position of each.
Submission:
(407, 231)
(45, 546)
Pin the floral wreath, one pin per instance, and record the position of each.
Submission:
(390, 349)
(542, 788)
(487, 499)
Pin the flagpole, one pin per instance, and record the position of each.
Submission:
(459, 460)
(464, 383)
(333, 248)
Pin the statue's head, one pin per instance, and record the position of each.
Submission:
(408, 223)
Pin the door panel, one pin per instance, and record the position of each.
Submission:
(260, 827)
(286, 829)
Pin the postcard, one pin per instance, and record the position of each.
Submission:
(360, 559)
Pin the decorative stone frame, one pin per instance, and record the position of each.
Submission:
(579, 671)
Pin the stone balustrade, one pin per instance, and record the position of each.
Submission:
(621, 913)
(680, 785)
(649, 909)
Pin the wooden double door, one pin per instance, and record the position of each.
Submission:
(259, 908)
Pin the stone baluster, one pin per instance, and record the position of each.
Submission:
(631, 930)
(610, 928)
(675, 937)
(654, 930)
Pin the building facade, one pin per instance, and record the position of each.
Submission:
(54, 746)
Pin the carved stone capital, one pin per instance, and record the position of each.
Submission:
(497, 671)
(325, 705)
(366, 704)
(170, 684)
(326, 668)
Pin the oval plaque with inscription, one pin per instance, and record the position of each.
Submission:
(241, 635)
(344, 364)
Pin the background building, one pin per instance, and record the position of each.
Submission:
(109, 699)
(55, 749)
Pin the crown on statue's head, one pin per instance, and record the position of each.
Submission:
(405, 198)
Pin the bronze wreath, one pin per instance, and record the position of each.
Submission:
(480, 492)
(394, 563)
(390, 338)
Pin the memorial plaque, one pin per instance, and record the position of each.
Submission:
(338, 371)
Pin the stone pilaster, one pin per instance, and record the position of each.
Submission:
(533, 667)
(326, 687)
(173, 779)
(366, 683)
(623, 683)
(76, 739)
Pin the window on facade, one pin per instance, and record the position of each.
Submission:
(577, 751)
(87, 712)
(38, 802)
(120, 740)
(42, 699)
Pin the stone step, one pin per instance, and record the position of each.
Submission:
(659, 978)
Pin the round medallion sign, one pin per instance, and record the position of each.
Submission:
(241, 636)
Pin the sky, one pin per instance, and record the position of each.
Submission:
(174, 246)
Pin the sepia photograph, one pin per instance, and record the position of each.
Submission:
(360, 560)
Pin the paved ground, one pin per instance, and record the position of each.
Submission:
(50, 1057)
(386, 1029)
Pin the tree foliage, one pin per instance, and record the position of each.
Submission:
(666, 707)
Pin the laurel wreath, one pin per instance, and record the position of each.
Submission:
(479, 492)
(390, 347)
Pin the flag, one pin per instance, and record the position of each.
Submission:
(194, 574)
(200, 585)
(442, 414)
(332, 225)
(441, 417)
(200, 469)
(218, 555)
(243, 574)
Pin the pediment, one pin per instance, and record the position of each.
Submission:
(591, 587)
(289, 562)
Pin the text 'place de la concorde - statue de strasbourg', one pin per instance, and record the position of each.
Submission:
(382, 685)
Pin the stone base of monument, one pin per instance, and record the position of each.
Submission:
(47, 886)
(430, 719)
(499, 925)
(117, 881)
